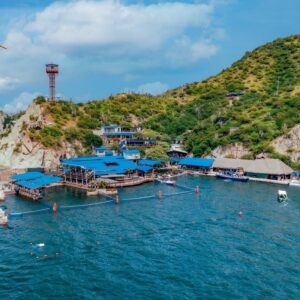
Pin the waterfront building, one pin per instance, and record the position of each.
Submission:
(33, 184)
(203, 165)
(260, 168)
(86, 171)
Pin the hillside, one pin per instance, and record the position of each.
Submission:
(270, 107)
(263, 118)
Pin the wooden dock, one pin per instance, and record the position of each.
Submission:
(282, 182)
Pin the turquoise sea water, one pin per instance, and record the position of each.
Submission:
(183, 247)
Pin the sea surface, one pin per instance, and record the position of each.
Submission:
(234, 241)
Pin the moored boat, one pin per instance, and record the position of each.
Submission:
(169, 182)
(233, 177)
(294, 182)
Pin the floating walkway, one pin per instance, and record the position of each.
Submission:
(159, 195)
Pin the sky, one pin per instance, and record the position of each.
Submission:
(104, 47)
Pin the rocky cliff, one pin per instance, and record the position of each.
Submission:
(2, 118)
(289, 144)
(18, 150)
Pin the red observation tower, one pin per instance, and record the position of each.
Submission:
(52, 71)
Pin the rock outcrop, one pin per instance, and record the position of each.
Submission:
(2, 118)
(289, 144)
(17, 150)
(231, 151)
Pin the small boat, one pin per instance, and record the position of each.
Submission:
(282, 196)
(169, 182)
(233, 177)
(295, 182)
(3, 217)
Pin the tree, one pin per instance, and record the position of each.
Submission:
(157, 152)
(92, 140)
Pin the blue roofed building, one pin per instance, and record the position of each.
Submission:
(86, 170)
(113, 133)
(197, 164)
(32, 184)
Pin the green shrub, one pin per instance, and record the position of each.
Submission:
(50, 136)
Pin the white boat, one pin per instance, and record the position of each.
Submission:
(3, 217)
(168, 181)
(282, 196)
(295, 182)
(2, 195)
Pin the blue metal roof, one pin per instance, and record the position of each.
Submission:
(104, 165)
(39, 182)
(149, 162)
(197, 162)
(27, 176)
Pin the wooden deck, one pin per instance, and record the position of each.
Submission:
(132, 182)
(76, 185)
(282, 182)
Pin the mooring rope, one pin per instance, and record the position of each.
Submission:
(187, 191)
(17, 214)
(140, 198)
(180, 193)
(184, 187)
(84, 205)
